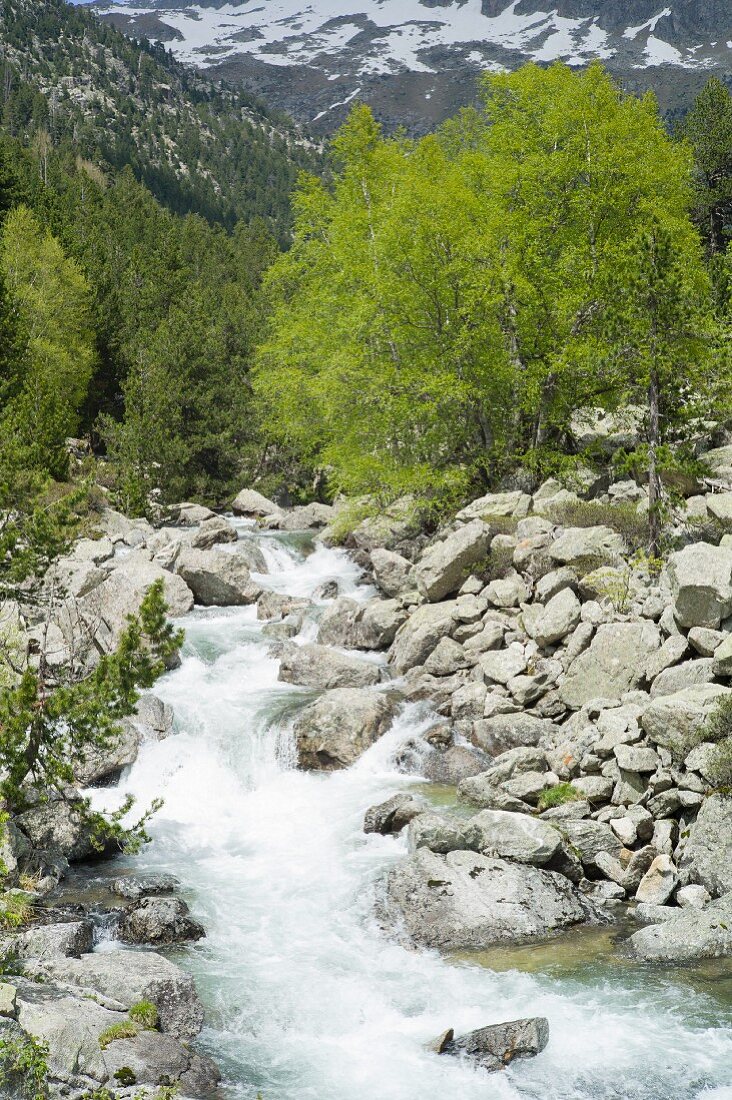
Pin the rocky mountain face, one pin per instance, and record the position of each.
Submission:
(199, 148)
(416, 61)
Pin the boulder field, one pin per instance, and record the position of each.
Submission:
(577, 687)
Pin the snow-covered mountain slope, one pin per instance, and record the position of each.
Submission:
(315, 56)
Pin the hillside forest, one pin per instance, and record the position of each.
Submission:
(440, 315)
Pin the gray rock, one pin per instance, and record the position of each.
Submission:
(211, 532)
(500, 666)
(707, 858)
(700, 576)
(495, 1047)
(160, 921)
(502, 732)
(674, 721)
(69, 940)
(654, 914)
(453, 765)
(419, 635)
(106, 609)
(123, 978)
(305, 517)
(701, 759)
(339, 726)
(673, 650)
(719, 505)
(569, 811)
(318, 666)
(723, 657)
(217, 578)
(72, 1026)
(552, 583)
(101, 763)
(490, 637)
(691, 934)
(596, 789)
(529, 786)
(251, 503)
(692, 896)
(613, 664)
(392, 815)
(588, 838)
(188, 514)
(578, 543)
(659, 882)
(134, 887)
(468, 702)
(391, 571)
(558, 618)
(705, 641)
(514, 504)
(506, 591)
(635, 758)
(274, 605)
(442, 834)
(515, 762)
(443, 567)
(467, 900)
(625, 830)
(516, 836)
(447, 657)
(483, 791)
(378, 622)
(688, 674)
(57, 829)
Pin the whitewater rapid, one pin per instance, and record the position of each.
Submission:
(306, 999)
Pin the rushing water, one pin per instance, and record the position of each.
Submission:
(306, 999)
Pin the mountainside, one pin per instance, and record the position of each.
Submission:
(415, 60)
(196, 145)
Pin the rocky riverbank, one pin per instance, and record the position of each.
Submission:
(77, 1000)
(576, 690)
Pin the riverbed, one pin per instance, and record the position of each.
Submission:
(306, 998)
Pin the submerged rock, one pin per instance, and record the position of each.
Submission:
(497, 1045)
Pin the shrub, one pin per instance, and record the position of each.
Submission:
(145, 1014)
(16, 909)
(557, 796)
(623, 518)
(718, 728)
(718, 725)
(124, 1030)
(497, 565)
(23, 1067)
(125, 1076)
(719, 767)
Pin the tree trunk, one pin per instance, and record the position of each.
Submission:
(654, 481)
